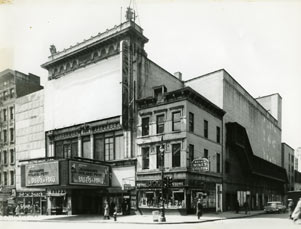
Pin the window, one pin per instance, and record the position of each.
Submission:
(86, 147)
(12, 178)
(5, 178)
(205, 128)
(176, 120)
(11, 109)
(5, 95)
(66, 149)
(205, 153)
(5, 157)
(12, 156)
(218, 162)
(0, 158)
(176, 155)
(160, 157)
(160, 124)
(12, 92)
(145, 158)
(99, 147)
(11, 130)
(145, 126)
(4, 136)
(109, 149)
(119, 152)
(191, 122)
(0, 179)
(191, 153)
(218, 134)
(4, 114)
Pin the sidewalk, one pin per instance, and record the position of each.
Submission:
(132, 219)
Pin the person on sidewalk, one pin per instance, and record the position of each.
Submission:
(106, 211)
(297, 212)
(246, 207)
(290, 208)
(199, 208)
(237, 207)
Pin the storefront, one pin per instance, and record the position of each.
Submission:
(32, 203)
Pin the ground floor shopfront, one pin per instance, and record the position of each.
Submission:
(181, 197)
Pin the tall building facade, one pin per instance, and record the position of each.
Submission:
(13, 84)
(288, 162)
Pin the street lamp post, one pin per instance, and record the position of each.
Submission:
(162, 218)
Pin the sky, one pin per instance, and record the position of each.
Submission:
(257, 42)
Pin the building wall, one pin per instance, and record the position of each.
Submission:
(30, 136)
(288, 159)
(86, 94)
(298, 159)
(263, 131)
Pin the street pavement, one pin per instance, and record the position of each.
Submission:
(133, 219)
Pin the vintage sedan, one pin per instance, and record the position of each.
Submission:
(274, 207)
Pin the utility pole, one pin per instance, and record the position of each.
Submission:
(162, 218)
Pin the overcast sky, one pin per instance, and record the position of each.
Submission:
(257, 42)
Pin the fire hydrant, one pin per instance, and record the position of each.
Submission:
(115, 216)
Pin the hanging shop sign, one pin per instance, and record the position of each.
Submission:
(42, 174)
(81, 173)
(200, 165)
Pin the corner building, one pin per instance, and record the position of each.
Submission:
(188, 127)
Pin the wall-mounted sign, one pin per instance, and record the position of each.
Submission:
(200, 165)
(81, 173)
(42, 174)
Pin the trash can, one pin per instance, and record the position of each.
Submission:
(155, 216)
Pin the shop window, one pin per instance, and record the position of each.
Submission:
(160, 157)
(178, 198)
(99, 147)
(5, 178)
(218, 162)
(176, 121)
(12, 156)
(109, 149)
(176, 155)
(191, 122)
(145, 126)
(191, 154)
(160, 124)
(12, 178)
(205, 128)
(145, 158)
(218, 134)
(206, 153)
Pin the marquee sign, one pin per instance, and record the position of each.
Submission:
(42, 174)
(81, 173)
(200, 165)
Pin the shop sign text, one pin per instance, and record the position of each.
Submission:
(200, 165)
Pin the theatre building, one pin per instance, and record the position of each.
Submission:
(181, 128)
(90, 119)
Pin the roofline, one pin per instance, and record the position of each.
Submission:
(269, 95)
(284, 143)
(207, 74)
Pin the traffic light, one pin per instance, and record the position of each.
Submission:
(169, 182)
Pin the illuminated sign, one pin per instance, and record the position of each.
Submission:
(42, 174)
(200, 165)
(81, 173)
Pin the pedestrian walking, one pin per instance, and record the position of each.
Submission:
(17, 210)
(297, 212)
(106, 211)
(246, 207)
(199, 208)
(290, 208)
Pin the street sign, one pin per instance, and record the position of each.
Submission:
(200, 165)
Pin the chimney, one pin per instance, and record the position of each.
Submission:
(178, 75)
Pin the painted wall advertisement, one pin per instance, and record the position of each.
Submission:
(42, 174)
(200, 165)
(81, 173)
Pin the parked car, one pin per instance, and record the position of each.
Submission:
(274, 207)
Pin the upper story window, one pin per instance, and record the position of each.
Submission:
(4, 136)
(206, 153)
(12, 93)
(11, 109)
(176, 120)
(218, 162)
(5, 157)
(205, 128)
(109, 149)
(5, 95)
(4, 114)
(160, 124)
(159, 91)
(66, 148)
(160, 157)
(145, 158)
(191, 153)
(218, 134)
(12, 134)
(145, 126)
(12, 156)
(191, 121)
(5, 178)
(176, 155)
(12, 178)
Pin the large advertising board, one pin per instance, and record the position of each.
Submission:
(81, 173)
(200, 165)
(42, 174)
